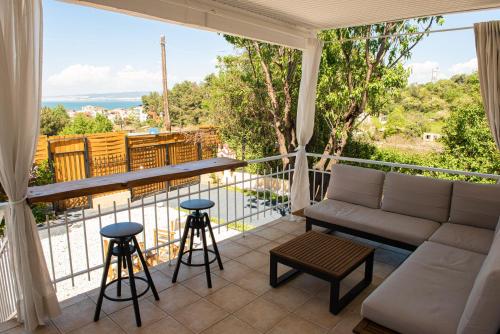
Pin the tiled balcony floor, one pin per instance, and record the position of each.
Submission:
(241, 300)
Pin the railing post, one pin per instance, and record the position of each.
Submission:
(200, 152)
(86, 163)
(127, 153)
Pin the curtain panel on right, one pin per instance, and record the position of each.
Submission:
(488, 58)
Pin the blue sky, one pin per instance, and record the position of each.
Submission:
(88, 50)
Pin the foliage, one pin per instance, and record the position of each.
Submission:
(40, 175)
(358, 75)
(153, 105)
(82, 124)
(186, 104)
(257, 90)
(53, 120)
(420, 108)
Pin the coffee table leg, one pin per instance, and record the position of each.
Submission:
(335, 305)
(369, 269)
(273, 272)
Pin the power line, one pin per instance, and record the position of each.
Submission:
(360, 38)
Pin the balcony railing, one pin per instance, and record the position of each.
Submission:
(244, 199)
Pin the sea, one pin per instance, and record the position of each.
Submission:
(106, 104)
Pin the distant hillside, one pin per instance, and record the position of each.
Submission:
(419, 109)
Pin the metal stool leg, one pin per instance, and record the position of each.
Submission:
(146, 270)
(181, 250)
(119, 282)
(191, 246)
(205, 254)
(103, 281)
(214, 244)
(133, 290)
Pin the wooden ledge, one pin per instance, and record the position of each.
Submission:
(96, 185)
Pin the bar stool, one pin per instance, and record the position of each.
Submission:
(197, 221)
(122, 245)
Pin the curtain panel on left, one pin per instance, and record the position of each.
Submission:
(20, 95)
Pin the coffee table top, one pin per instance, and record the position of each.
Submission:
(322, 252)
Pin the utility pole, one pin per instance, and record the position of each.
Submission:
(166, 113)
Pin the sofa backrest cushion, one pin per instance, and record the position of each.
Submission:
(356, 185)
(482, 310)
(417, 196)
(475, 204)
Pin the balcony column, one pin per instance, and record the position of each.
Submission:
(311, 58)
(20, 94)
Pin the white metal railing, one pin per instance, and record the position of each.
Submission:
(243, 200)
(251, 196)
(319, 186)
(7, 295)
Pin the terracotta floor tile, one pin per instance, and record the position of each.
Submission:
(269, 233)
(167, 325)
(317, 311)
(251, 241)
(232, 249)
(296, 325)
(231, 298)
(267, 247)
(233, 271)
(287, 297)
(200, 315)
(231, 325)
(47, 329)
(126, 318)
(254, 259)
(76, 316)
(200, 286)
(254, 282)
(261, 314)
(104, 326)
(175, 298)
(346, 324)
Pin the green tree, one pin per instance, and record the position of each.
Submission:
(82, 124)
(468, 141)
(359, 73)
(53, 120)
(186, 104)
(153, 105)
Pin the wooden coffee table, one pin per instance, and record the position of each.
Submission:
(327, 257)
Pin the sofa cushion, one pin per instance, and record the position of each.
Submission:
(407, 229)
(475, 204)
(417, 196)
(427, 293)
(465, 237)
(482, 311)
(356, 185)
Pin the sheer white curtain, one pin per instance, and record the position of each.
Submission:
(311, 59)
(488, 59)
(20, 92)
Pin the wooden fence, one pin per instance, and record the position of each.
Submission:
(76, 157)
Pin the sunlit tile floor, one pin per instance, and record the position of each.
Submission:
(240, 301)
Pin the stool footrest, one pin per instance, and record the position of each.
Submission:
(197, 264)
(128, 298)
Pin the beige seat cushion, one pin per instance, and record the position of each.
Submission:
(410, 230)
(465, 237)
(356, 185)
(482, 311)
(417, 196)
(427, 293)
(475, 204)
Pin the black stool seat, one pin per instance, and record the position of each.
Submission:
(121, 230)
(123, 245)
(197, 204)
(197, 222)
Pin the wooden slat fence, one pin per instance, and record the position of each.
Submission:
(77, 157)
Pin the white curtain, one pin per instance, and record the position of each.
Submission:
(488, 59)
(20, 93)
(311, 59)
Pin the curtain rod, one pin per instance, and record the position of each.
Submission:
(403, 34)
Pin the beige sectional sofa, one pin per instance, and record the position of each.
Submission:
(451, 282)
